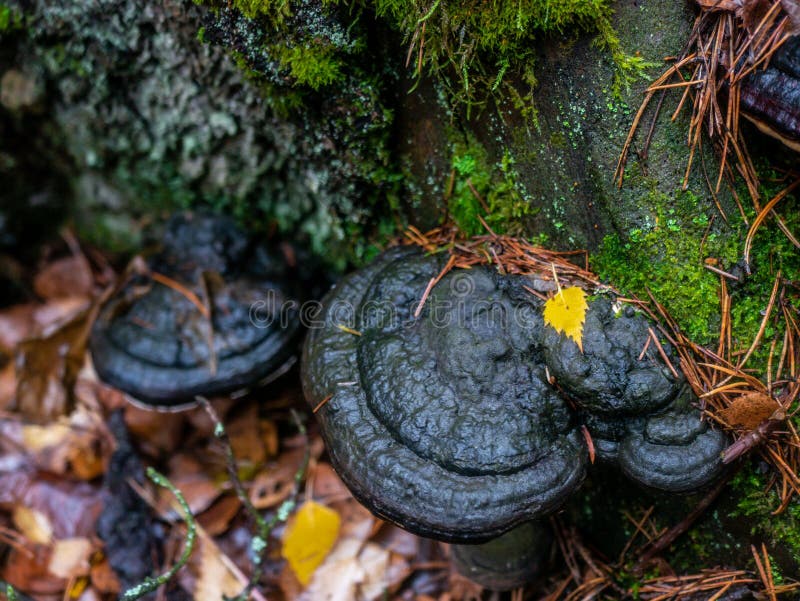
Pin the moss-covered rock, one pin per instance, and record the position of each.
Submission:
(151, 119)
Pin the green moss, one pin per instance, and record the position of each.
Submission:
(668, 256)
(756, 504)
(629, 67)
(665, 256)
(312, 65)
(252, 9)
(289, 47)
(479, 188)
(472, 45)
(10, 19)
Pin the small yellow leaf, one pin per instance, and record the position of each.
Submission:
(33, 524)
(566, 312)
(309, 538)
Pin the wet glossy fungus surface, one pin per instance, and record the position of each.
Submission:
(153, 341)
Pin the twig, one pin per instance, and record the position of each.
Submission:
(263, 527)
(181, 289)
(152, 583)
(671, 535)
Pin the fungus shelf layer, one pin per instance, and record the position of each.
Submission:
(187, 325)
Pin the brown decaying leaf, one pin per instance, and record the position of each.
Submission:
(214, 580)
(217, 519)
(47, 368)
(32, 524)
(8, 384)
(27, 571)
(157, 433)
(66, 277)
(70, 558)
(78, 446)
(245, 434)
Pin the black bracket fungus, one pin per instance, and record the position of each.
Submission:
(443, 419)
(770, 97)
(434, 423)
(214, 314)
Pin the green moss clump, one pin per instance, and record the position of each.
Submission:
(276, 10)
(289, 47)
(10, 19)
(479, 188)
(668, 255)
(313, 66)
(756, 503)
(472, 45)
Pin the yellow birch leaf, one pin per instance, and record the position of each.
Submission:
(309, 537)
(566, 312)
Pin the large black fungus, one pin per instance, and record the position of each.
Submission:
(443, 423)
(770, 97)
(214, 314)
(464, 421)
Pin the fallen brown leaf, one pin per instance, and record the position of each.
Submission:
(32, 524)
(215, 580)
(47, 368)
(66, 277)
(156, 433)
(245, 436)
(8, 384)
(28, 572)
(217, 518)
(70, 558)
(71, 508)
(103, 577)
(16, 324)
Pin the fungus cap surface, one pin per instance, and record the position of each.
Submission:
(441, 423)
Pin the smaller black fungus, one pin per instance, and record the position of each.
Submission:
(770, 97)
(640, 415)
(608, 377)
(675, 451)
(214, 314)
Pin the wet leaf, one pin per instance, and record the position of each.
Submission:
(309, 537)
(339, 576)
(70, 276)
(48, 368)
(8, 384)
(33, 524)
(215, 580)
(217, 518)
(566, 312)
(70, 558)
